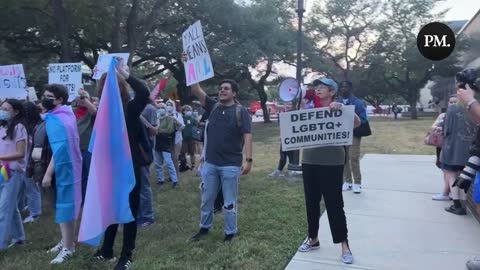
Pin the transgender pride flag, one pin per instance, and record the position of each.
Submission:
(111, 175)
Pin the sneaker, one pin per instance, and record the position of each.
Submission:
(346, 186)
(307, 246)
(56, 249)
(440, 197)
(30, 219)
(160, 183)
(228, 238)
(99, 256)
(473, 264)
(203, 232)
(123, 264)
(145, 223)
(347, 257)
(25, 209)
(461, 211)
(175, 184)
(64, 255)
(357, 188)
(16, 242)
(276, 173)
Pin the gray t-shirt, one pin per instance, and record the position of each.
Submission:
(150, 114)
(39, 136)
(327, 155)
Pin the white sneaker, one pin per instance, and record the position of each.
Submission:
(440, 197)
(275, 173)
(29, 219)
(346, 186)
(64, 255)
(357, 188)
(56, 249)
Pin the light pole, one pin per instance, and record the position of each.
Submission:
(294, 166)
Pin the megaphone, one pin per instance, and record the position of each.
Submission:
(288, 90)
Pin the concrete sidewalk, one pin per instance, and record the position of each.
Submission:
(394, 224)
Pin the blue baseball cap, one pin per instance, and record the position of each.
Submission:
(326, 81)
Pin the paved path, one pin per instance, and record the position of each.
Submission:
(394, 224)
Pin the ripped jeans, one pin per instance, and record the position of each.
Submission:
(214, 178)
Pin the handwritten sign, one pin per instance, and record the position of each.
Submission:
(69, 75)
(32, 94)
(12, 82)
(316, 127)
(104, 61)
(199, 65)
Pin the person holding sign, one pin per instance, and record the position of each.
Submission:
(322, 169)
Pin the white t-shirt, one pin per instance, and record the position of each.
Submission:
(178, 133)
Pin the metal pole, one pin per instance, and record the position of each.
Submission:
(294, 166)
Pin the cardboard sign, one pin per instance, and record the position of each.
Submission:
(199, 65)
(32, 95)
(69, 75)
(316, 128)
(104, 61)
(12, 82)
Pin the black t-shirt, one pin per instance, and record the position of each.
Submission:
(225, 138)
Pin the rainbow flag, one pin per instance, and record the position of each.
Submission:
(111, 177)
(4, 173)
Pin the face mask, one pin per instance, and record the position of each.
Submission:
(195, 114)
(169, 109)
(48, 104)
(188, 114)
(161, 112)
(132, 94)
(4, 115)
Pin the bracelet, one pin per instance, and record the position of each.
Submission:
(469, 105)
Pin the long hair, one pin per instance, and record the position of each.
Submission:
(17, 119)
(122, 84)
(32, 116)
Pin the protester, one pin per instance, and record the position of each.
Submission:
(437, 127)
(458, 131)
(13, 146)
(188, 147)
(228, 131)
(353, 152)
(145, 216)
(133, 108)
(283, 159)
(30, 186)
(164, 146)
(85, 113)
(322, 169)
(179, 126)
(66, 165)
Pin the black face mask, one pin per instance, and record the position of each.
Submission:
(48, 104)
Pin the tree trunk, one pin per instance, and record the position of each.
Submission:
(413, 108)
(263, 102)
(63, 31)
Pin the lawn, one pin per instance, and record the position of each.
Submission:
(271, 220)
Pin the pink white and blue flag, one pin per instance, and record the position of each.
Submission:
(111, 177)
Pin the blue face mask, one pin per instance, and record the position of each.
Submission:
(161, 112)
(195, 114)
(170, 109)
(188, 114)
(4, 115)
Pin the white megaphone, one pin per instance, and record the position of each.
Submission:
(288, 90)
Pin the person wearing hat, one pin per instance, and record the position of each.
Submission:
(322, 170)
(353, 159)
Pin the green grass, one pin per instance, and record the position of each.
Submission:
(271, 216)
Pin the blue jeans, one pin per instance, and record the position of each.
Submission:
(86, 159)
(30, 191)
(11, 227)
(159, 158)
(145, 210)
(214, 178)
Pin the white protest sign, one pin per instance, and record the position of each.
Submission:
(32, 95)
(104, 61)
(67, 74)
(12, 82)
(316, 127)
(199, 65)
